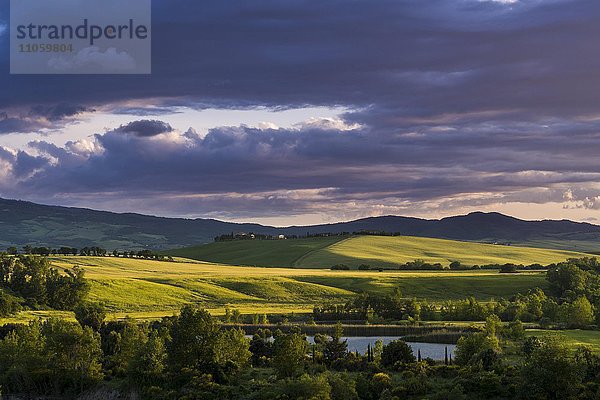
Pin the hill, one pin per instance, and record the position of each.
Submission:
(144, 288)
(24, 223)
(377, 251)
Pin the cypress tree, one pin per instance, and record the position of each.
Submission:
(446, 356)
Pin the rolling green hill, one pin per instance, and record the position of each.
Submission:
(148, 289)
(377, 251)
(263, 253)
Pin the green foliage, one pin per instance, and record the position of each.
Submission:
(193, 341)
(126, 344)
(550, 371)
(90, 314)
(74, 353)
(306, 387)
(514, 331)
(232, 348)
(57, 357)
(289, 353)
(40, 285)
(567, 277)
(342, 387)
(149, 362)
(9, 304)
(396, 353)
(66, 290)
(470, 347)
(577, 314)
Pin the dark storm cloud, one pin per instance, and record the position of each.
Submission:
(453, 98)
(145, 128)
(58, 112)
(405, 58)
(341, 166)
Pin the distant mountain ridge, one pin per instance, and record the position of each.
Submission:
(24, 223)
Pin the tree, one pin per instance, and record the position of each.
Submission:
(514, 330)
(306, 387)
(9, 304)
(342, 388)
(578, 314)
(261, 347)
(193, 341)
(336, 348)
(23, 364)
(550, 371)
(28, 279)
(65, 291)
(149, 361)
(127, 343)
(90, 314)
(455, 265)
(396, 352)
(289, 354)
(73, 354)
(566, 277)
(232, 349)
(7, 266)
(470, 346)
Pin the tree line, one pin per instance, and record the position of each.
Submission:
(422, 265)
(30, 282)
(190, 356)
(571, 300)
(91, 251)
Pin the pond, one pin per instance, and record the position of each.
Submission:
(435, 351)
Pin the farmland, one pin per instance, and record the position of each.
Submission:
(378, 251)
(145, 288)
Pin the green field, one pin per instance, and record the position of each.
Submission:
(377, 251)
(146, 289)
(574, 337)
(264, 253)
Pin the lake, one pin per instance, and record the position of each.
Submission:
(435, 351)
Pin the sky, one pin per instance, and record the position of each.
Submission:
(302, 112)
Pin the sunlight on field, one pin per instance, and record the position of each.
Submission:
(151, 289)
(573, 337)
(376, 251)
(388, 251)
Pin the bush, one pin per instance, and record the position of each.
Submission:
(90, 314)
(340, 267)
(9, 304)
(396, 352)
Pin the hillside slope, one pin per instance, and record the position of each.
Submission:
(146, 289)
(377, 251)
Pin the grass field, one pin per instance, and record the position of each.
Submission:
(377, 251)
(573, 338)
(146, 289)
(264, 253)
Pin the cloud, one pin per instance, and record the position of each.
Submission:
(582, 200)
(472, 102)
(40, 118)
(59, 111)
(243, 171)
(145, 128)
(92, 57)
(591, 203)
